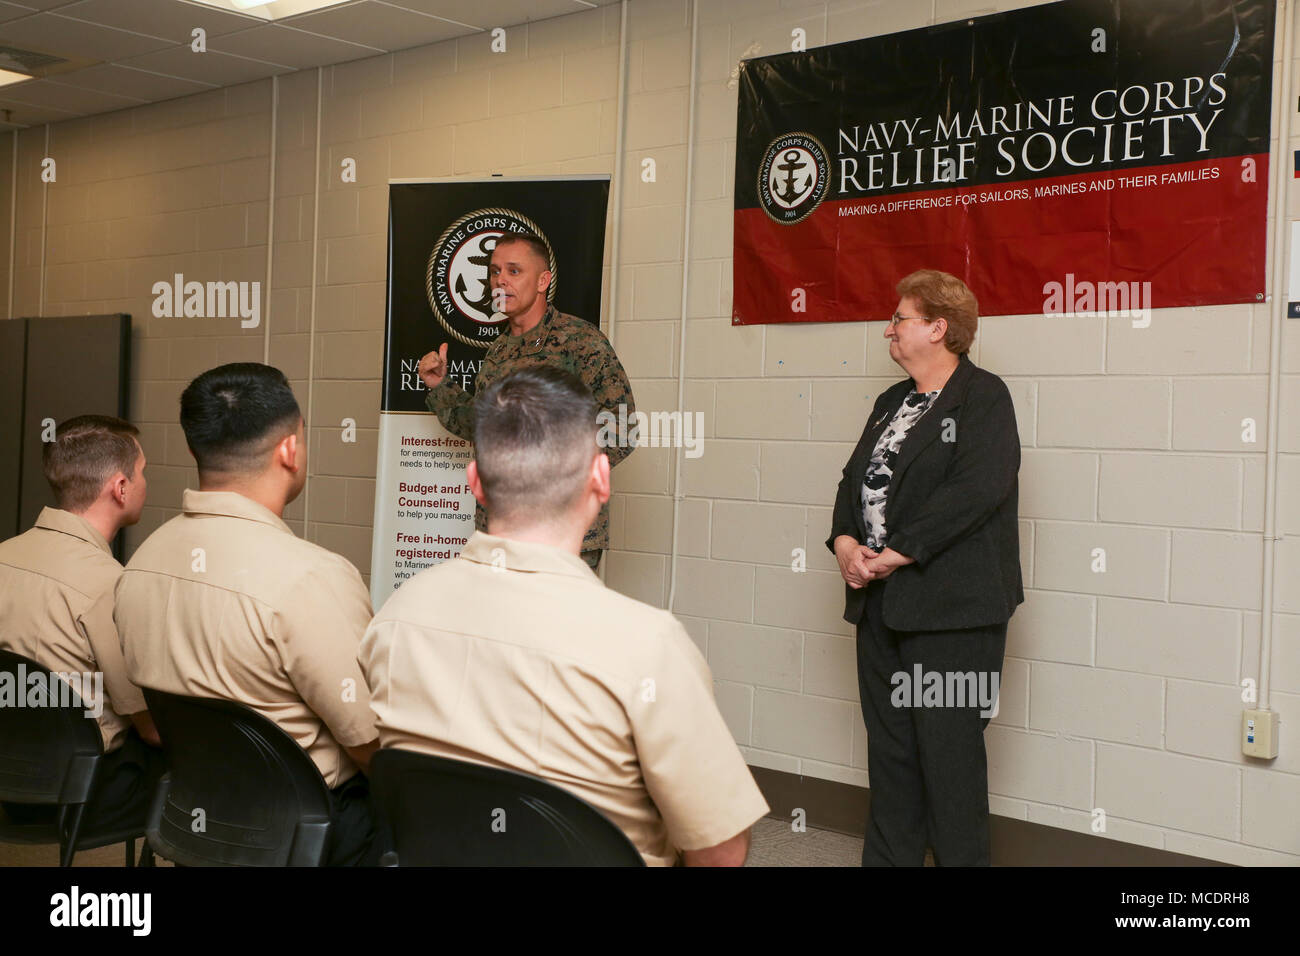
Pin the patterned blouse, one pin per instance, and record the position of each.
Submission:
(880, 471)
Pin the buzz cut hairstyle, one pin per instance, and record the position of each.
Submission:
(534, 441)
(86, 452)
(233, 415)
(535, 243)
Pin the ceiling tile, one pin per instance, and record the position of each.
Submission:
(295, 48)
(43, 4)
(172, 19)
(378, 25)
(51, 33)
(11, 11)
(486, 14)
(124, 51)
(124, 81)
(69, 98)
(21, 114)
(218, 69)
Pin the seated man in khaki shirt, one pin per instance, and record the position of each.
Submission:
(224, 601)
(56, 605)
(517, 656)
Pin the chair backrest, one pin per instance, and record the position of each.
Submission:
(239, 791)
(48, 753)
(441, 812)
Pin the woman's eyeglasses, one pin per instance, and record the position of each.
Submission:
(896, 318)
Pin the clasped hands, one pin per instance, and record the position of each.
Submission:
(859, 565)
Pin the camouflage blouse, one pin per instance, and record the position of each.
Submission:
(561, 340)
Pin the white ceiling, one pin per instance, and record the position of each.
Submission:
(127, 52)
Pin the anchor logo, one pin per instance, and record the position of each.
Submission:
(794, 161)
(483, 303)
(793, 177)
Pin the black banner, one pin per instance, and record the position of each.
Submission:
(440, 240)
(1114, 140)
(440, 236)
(50, 907)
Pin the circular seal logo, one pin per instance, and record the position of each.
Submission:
(456, 280)
(793, 177)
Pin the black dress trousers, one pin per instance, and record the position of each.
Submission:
(354, 837)
(928, 769)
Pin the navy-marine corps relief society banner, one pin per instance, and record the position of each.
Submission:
(1081, 142)
(440, 240)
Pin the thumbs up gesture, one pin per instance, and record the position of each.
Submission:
(433, 367)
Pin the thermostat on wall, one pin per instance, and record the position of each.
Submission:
(1259, 733)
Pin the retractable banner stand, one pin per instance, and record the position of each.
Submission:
(440, 239)
(1064, 158)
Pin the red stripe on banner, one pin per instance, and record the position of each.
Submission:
(1195, 231)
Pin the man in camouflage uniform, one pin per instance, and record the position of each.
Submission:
(537, 335)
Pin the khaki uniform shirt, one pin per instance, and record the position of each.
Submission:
(224, 601)
(56, 605)
(559, 340)
(536, 666)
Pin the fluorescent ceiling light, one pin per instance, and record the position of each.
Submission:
(269, 9)
(9, 76)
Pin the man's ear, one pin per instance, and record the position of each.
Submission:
(286, 452)
(475, 483)
(544, 280)
(599, 476)
(117, 488)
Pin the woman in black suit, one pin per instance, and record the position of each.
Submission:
(925, 533)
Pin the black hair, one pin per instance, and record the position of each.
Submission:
(233, 414)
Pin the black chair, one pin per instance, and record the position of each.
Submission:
(440, 812)
(239, 791)
(51, 756)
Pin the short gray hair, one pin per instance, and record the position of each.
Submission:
(534, 439)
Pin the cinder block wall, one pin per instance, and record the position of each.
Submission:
(1121, 690)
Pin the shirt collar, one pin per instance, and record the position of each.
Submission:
(494, 551)
(531, 341)
(56, 519)
(229, 504)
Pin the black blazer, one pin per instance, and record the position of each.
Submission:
(951, 507)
